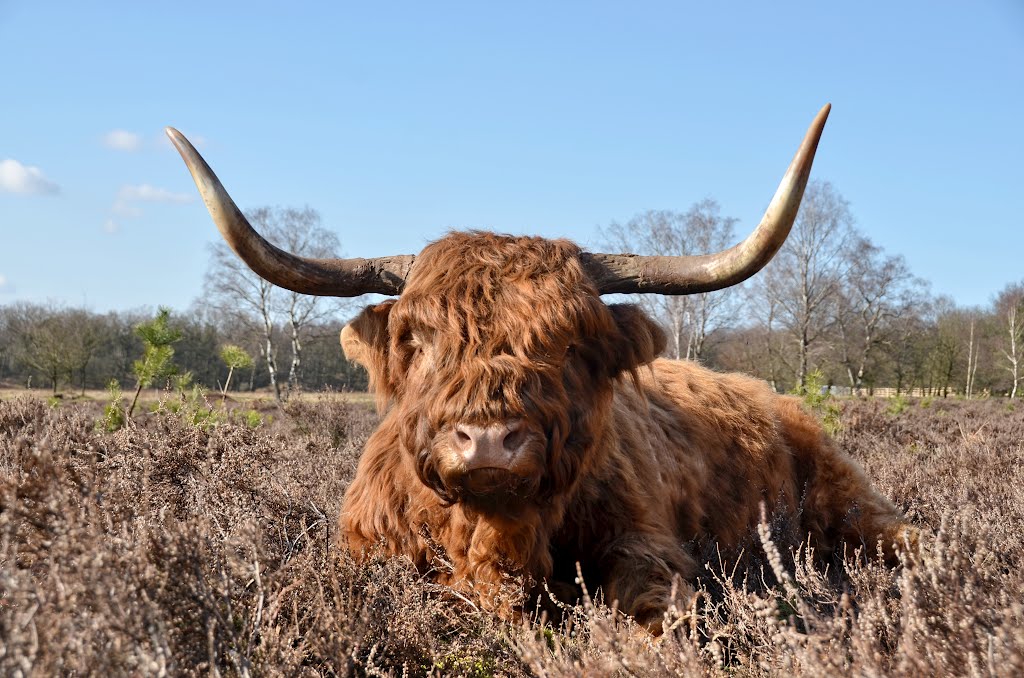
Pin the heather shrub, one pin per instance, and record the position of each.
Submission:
(176, 548)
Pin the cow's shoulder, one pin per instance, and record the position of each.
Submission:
(682, 387)
(679, 408)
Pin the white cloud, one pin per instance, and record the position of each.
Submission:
(126, 204)
(18, 178)
(125, 209)
(148, 193)
(5, 285)
(122, 140)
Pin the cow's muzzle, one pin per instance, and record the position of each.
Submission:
(497, 446)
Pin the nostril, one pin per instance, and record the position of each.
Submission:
(514, 438)
(463, 441)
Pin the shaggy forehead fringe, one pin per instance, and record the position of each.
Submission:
(491, 294)
(499, 313)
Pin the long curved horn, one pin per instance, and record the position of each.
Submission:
(707, 272)
(326, 277)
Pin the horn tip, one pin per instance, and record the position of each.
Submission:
(179, 141)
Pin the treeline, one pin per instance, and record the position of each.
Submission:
(831, 302)
(241, 334)
(71, 348)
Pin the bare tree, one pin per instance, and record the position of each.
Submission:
(867, 301)
(762, 310)
(905, 347)
(947, 346)
(1009, 309)
(299, 231)
(84, 334)
(689, 319)
(41, 340)
(800, 285)
(235, 289)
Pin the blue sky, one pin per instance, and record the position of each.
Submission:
(399, 121)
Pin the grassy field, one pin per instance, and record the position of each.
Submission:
(184, 545)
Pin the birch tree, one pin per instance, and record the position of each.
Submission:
(973, 351)
(689, 320)
(1009, 309)
(299, 231)
(235, 289)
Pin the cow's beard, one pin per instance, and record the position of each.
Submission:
(496, 491)
(490, 490)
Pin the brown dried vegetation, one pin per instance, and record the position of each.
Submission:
(166, 549)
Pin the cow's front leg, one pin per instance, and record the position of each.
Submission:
(638, 575)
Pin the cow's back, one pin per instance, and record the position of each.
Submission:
(708, 448)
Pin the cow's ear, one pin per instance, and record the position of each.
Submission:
(640, 339)
(365, 340)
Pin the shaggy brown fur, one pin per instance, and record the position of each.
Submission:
(625, 466)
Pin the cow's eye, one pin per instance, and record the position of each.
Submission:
(409, 344)
(415, 342)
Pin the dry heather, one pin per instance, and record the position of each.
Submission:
(165, 548)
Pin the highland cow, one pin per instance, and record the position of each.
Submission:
(528, 426)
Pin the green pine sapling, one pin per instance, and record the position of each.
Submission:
(157, 337)
(236, 358)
